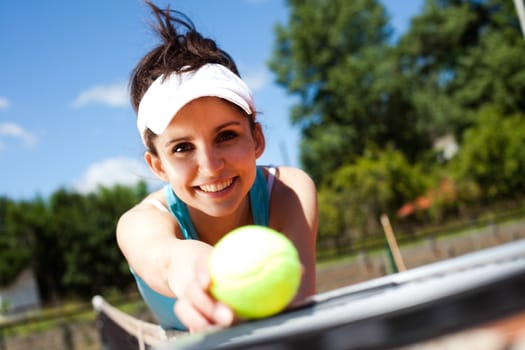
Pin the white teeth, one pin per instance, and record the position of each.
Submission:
(216, 187)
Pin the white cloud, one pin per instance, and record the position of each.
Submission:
(113, 171)
(115, 95)
(9, 129)
(4, 102)
(256, 80)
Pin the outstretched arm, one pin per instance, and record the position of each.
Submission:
(171, 266)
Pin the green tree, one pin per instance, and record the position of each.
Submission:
(68, 240)
(337, 57)
(15, 240)
(84, 230)
(355, 87)
(352, 201)
(492, 158)
(461, 55)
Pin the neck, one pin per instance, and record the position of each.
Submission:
(210, 229)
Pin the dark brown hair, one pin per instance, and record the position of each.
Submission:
(182, 48)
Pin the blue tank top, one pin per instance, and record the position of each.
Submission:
(161, 305)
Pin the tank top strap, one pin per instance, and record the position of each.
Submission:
(260, 199)
(179, 210)
(272, 170)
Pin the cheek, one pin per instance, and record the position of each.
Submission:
(242, 159)
(246, 151)
(178, 172)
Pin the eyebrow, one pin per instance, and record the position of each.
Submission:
(216, 129)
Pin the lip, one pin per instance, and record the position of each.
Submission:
(221, 192)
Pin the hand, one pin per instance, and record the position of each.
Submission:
(196, 309)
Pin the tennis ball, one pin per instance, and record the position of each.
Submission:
(255, 270)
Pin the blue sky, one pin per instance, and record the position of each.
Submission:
(65, 117)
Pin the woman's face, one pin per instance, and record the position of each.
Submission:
(208, 155)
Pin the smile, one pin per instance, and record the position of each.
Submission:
(216, 187)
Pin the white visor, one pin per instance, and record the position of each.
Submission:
(166, 96)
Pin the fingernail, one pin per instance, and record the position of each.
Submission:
(223, 314)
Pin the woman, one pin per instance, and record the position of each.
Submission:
(197, 119)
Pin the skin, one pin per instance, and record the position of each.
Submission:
(208, 155)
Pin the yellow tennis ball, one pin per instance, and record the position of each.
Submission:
(255, 270)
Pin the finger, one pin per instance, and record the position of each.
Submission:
(223, 315)
(201, 300)
(190, 316)
(215, 311)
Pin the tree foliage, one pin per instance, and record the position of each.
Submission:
(461, 55)
(69, 240)
(492, 159)
(360, 92)
(357, 194)
(16, 235)
(337, 58)
(356, 87)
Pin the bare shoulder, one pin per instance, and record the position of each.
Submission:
(136, 222)
(296, 180)
(145, 207)
(294, 193)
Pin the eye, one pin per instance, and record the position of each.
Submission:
(182, 147)
(226, 136)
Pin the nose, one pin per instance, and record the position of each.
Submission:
(210, 161)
